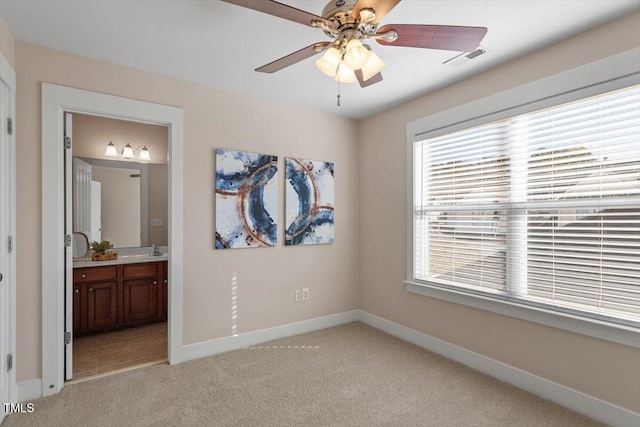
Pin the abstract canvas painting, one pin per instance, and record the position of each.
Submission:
(246, 199)
(309, 202)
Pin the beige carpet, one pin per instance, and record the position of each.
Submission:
(350, 375)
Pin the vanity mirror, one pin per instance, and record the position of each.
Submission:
(119, 201)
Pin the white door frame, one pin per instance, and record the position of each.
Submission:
(55, 101)
(67, 158)
(8, 77)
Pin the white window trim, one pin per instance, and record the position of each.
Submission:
(598, 77)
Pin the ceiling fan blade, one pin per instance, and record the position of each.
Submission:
(292, 58)
(377, 78)
(381, 7)
(281, 11)
(445, 37)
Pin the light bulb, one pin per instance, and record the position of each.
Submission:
(373, 66)
(127, 152)
(345, 74)
(328, 63)
(111, 149)
(144, 154)
(357, 55)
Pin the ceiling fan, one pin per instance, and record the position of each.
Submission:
(348, 23)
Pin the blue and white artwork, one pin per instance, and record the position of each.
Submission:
(246, 199)
(309, 202)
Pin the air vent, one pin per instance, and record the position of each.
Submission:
(463, 58)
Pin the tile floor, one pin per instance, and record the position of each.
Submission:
(100, 354)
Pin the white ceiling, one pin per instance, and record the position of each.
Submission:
(219, 44)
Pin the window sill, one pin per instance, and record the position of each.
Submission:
(620, 334)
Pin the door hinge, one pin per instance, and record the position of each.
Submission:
(67, 240)
(10, 244)
(9, 362)
(67, 338)
(67, 142)
(9, 125)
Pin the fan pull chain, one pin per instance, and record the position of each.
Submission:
(338, 93)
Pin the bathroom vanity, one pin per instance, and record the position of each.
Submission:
(111, 295)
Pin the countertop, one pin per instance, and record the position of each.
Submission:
(122, 259)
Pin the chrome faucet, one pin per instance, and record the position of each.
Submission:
(156, 251)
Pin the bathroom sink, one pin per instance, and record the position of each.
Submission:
(142, 256)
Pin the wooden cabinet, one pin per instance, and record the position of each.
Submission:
(165, 292)
(95, 299)
(76, 307)
(141, 292)
(102, 305)
(118, 296)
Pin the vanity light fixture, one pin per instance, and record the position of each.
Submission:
(127, 151)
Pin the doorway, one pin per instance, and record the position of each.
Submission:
(56, 100)
(118, 317)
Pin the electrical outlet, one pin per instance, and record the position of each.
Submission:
(305, 294)
(298, 295)
(156, 222)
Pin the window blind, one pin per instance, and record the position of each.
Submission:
(542, 207)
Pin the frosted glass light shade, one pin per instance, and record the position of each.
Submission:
(373, 66)
(328, 63)
(357, 55)
(127, 152)
(144, 154)
(345, 74)
(111, 149)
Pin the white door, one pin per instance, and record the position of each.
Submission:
(5, 218)
(96, 212)
(68, 255)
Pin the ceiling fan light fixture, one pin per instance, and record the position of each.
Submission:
(357, 55)
(373, 66)
(345, 74)
(328, 63)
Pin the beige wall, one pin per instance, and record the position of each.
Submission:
(266, 277)
(91, 135)
(7, 44)
(598, 368)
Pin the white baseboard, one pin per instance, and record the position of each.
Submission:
(29, 390)
(565, 396)
(220, 345)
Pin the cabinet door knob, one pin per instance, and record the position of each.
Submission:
(90, 289)
(84, 276)
(76, 291)
(155, 283)
(166, 281)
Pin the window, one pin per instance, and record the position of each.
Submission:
(541, 208)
